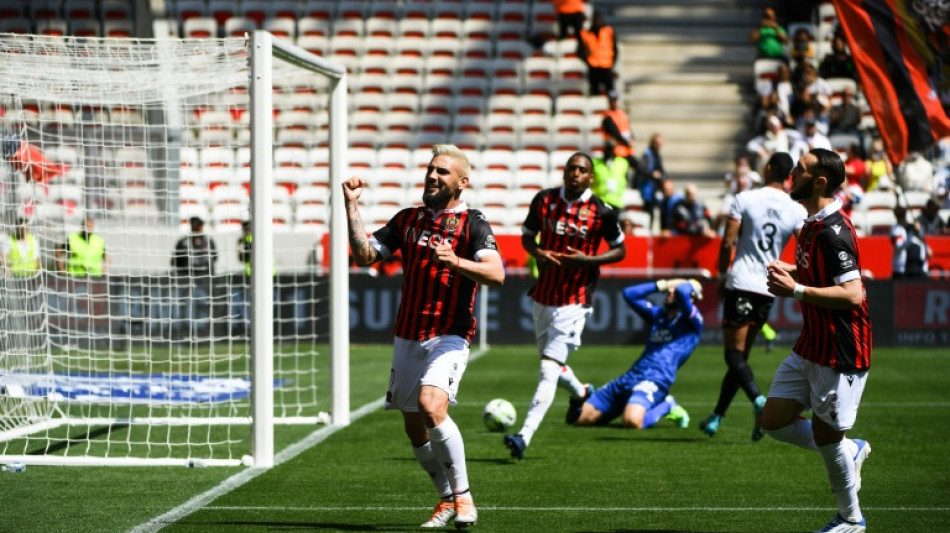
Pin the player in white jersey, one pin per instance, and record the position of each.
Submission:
(760, 224)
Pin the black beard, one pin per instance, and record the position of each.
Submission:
(437, 200)
(802, 193)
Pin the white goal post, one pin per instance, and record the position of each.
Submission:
(138, 352)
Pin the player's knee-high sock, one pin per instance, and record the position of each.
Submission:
(738, 364)
(727, 391)
(432, 467)
(449, 450)
(567, 380)
(798, 433)
(543, 398)
(657, 412)
(840, 465)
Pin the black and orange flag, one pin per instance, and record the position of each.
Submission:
(901, 49)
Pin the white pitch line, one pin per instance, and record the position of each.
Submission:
(202, 500)
(345, 508)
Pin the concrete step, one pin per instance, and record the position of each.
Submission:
(689, 111)
(695, 130)
(658, 91)
(715, 149)
(680, 52)
(734, 72)
(688, 15)
(635, 32)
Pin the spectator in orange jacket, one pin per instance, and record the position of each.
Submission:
(598, 49)
(570, 16)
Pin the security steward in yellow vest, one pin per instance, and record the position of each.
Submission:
(598, 48)
(84, 254)
(23, 258)
(610, 178)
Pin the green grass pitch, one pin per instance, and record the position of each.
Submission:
(606, 479)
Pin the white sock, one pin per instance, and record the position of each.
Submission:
(839, 462)
(567, 380)
(798, 433)
(432, 467)
(449, 450)
(543, 398)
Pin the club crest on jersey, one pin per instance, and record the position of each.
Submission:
(842, 255)
(583, 213)
(451, 223)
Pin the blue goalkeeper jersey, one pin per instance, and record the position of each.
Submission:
(671, 340)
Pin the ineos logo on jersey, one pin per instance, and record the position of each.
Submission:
(661, 336)
(427, 238)
(570, 229)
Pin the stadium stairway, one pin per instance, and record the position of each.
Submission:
(687, 74)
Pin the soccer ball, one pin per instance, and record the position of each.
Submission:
(499, 415)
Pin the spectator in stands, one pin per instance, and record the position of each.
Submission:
(839, 63)
(84, 253)
(598, 49)
(769, 37)
(846, 116)
(775, 139)
(855, 168)
(19, 254)
(811, 139)
(785, 89)
(803, 47)
(610, 177)
(193, 263)
(769, 107)
(915, 173)
(743, 172)
(911, 253)
(616, 128)
(816, 85)
(929, 221)
(570, 18)
(650, 175)
(879, 168)
(690, 215)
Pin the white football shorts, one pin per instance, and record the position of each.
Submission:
(558, 329)
(439, 362)
(833, 396)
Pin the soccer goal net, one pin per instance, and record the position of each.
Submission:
(169, 278)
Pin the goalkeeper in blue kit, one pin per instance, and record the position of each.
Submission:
(641, 395)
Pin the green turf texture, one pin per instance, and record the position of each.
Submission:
(605, 479)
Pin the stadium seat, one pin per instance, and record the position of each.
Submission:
(877, 201)
(311, 218)
(514, 50)
(879, 222)
(239, 26)
(444, 47)
(311, 195)
(85, 28)
(386, 9)
(531, 160)
(476, 49)
(348, 28)
(510, 31)
(117, 28)
(311, 26)
(480, 10)
(446, 28)
(520, 198)
(381, 27)
(346, 46)
(539, 104)
(44, 9)
(11, 9)
(413, 28)
(199, 28)
(417, 9)
(532, 180)
(54, 27)
(291, 156)
(412, 47)
(19, 25)
(498, 160)
(475, 29)
(280, 27)
(400, 103)
(916, 200)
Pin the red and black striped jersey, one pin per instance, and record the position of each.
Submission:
(827, 254)
(559, 224)
(435, 300)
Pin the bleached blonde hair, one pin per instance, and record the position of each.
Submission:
(465, 167)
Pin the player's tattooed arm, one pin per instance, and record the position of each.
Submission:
(363, 253)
